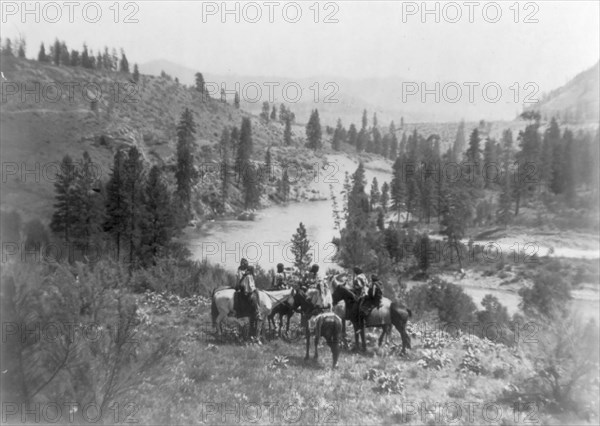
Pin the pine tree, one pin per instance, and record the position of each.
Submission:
(473, 156)
(21, 50)
(364, 121)
(504, 213)
(225, 144)
(200, 85)
(236, 100)
(136, 73)
(7, 50)
(185, 174)
(117, 202)
(287, 133)
(397, 187)
(550, 143)
(75, 61)
(133, 184)
(65, 214)
(569, 166)
(301, 248)
(268, 169)
(385, 196)
(124, 63)
(380, 220)
(264, 115)
(527, 174)
(56, 52)
(85, 58)
(251, 182)
(89, 206)
(352, 135)
(42, 55)
(375, 194)
(377, 142)
(490, 168)
(157, 226)
(459, 143)
(313, 131)
(245, 146)
(336, 142)
(362, 141)
(65, 59)
(274, 113)
(285, 186)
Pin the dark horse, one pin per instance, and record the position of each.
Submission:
(284, 309)
(327, 324)
(387, 314)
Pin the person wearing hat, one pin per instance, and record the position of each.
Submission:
(359, 284)
(311, 279)
(280, 278)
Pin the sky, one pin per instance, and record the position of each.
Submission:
(369, 40)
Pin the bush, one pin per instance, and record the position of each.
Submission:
(452, 304)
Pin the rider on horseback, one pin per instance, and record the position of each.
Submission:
(280, 278)
(360, 285)
(247, 288)
(372, 299)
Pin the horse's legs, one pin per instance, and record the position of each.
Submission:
(317, 337)
(356, 332)
(383, 333)
(362, 336)
(287, 327)
(307, 341)
(219, 323)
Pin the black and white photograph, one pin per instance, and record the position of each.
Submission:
(300, 212)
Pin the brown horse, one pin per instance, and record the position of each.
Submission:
(387, 314)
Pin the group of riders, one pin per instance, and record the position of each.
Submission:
(368, 294)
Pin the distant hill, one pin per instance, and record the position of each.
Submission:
(575, 102)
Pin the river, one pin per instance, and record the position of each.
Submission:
(266, 240)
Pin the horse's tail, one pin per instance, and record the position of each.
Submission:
(213, 308)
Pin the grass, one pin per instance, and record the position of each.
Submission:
(380, 387)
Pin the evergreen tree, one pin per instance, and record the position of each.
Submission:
(362, 141)
(157, 226)
(185, 174)
(225, 144)
(397, 187)
(364, 120)
(527, 173)
(287, 133)
(375, 194)
(200, 85)
(236, 100)
(274, 113)
(504, 213)
(352, 135)
(336, 142)
(245, 146)
(65, 59)
(89, 206)
(42, 55)
(490, 167)
(65, 213)
(313, 131)
(117, 202)
(8, 51)
(301, 248)
(124, 63)
(21, 50)
(56, 52)
(85, 57)
(268, 169)
(550, 143)
(75, 61)
(285, 186)
(569, 165)
(377, 141)
(473, 156)
(133, 184)
(385, 196)
(459, 143)
(136, 73)
(264, 115)
(380, 220)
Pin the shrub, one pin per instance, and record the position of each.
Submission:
(452, 304)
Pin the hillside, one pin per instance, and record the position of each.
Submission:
(37, 133)
(576, 101)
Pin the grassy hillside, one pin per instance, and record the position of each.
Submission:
(36, 133)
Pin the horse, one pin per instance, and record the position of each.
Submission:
(327, 324)
(222, 305)
(387, 314)
(283, 309)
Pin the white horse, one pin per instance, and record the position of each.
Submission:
(223, 305)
